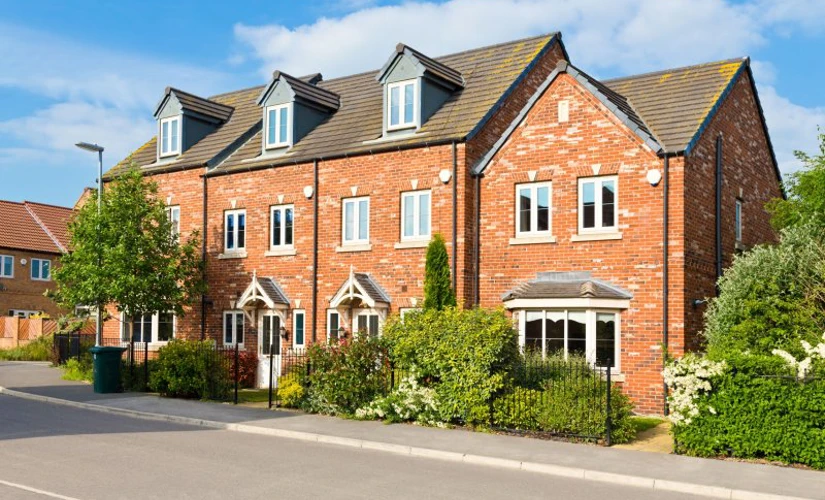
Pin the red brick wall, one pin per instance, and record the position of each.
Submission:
(561, 153)
(22, 292)
(748, 173)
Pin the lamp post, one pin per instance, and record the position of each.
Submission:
(94, 148)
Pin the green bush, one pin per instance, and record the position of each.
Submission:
(190, 369)
(771, 298)
(758, 410)
(409, 402)
(518, 409)
(78, 369)
(463, 354)
(567, 408)
(39, 349)
(290, 392)
(345, 376)
(135, 379)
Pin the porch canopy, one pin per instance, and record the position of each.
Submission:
(577, 289)
(360, 290)
(262, 292)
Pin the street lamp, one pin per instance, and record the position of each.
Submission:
(94, 148)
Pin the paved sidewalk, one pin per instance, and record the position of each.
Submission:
(721, 479)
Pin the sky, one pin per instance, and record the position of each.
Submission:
(93, 71)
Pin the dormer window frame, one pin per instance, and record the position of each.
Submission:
(278, 144)
(416, 104)
(170, 151)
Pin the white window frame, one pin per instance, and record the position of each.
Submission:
(406, 310)
(170, 151)
(416, 196)
(737, 220)
(234, 313)
(3, 259)
(126, 334)
(356, 313)
(40, 267)
(341, 329)
(590, 331)
(534, 212)
(402, 104)
(282, 209)
(599, 223)
(356, 229)
(24, 313)
(171, 210)
(237, 248)
(277, 109)
(295, 314)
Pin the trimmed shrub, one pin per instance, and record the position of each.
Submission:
(759, 410)
(290, 392)
(345, 376)
(463, 354)
(190, 369)
(438, 291)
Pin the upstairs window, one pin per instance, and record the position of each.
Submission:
(173, 213)
(415, 215)
(41, 269)
(277, 126)
(356, 223)
(170, 136)
(401, 99)
(6, 266)
(598, 205)
(281, 226)
(235, 230)
(738, 220)
(533, 209)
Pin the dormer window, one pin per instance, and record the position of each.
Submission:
(277, 126)
(402, 101)
(170, 136)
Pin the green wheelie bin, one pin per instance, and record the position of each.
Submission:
(107, 368)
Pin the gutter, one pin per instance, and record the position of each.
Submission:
(203, 260)
(665, 273)
(477, 241)
(718, 211)
(314, 250)
(455, 217)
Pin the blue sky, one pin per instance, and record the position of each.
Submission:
(93, 71)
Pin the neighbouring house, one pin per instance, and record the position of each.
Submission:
(33, 236)
(599, 213)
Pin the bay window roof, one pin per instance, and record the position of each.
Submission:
(566, 285)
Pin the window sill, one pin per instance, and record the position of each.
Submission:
(281, 252)
(365, 247)
(596, 236)
(412, 244)
(532, 240)
(232, 255)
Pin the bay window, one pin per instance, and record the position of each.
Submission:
(591, 333)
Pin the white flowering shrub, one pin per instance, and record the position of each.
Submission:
(688, 378)
(410, 402)
(803, 366)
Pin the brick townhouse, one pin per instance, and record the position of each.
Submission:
(598, 213)
(32, 238)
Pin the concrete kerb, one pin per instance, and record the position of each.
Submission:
(539, 468)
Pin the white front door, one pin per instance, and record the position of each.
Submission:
(269, 339)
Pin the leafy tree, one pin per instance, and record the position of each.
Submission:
(127, 254)
(438, 292)
(806, 193)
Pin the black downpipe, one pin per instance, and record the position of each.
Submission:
(203, 262)
(477, 243)
(665, 269)
(455, 217)
(314, 250)
(718, 210)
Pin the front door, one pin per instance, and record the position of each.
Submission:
(269, 339)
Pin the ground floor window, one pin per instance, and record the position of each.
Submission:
(367, 322)
(333, 325)
(592, 334)
(270, 334)
(152, 328)
(233, 327)
(298, 329)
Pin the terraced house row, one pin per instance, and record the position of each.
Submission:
(598, 213)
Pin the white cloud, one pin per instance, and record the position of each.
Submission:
(605, 38)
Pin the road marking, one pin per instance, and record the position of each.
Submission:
(35, 490)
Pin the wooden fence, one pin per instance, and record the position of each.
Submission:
(15, 331)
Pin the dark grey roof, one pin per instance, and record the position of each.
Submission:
(312, 79)
(193, 103)
(568, 285)
(303, 90)
(372, 288)
(273, 290)
(433, 67)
